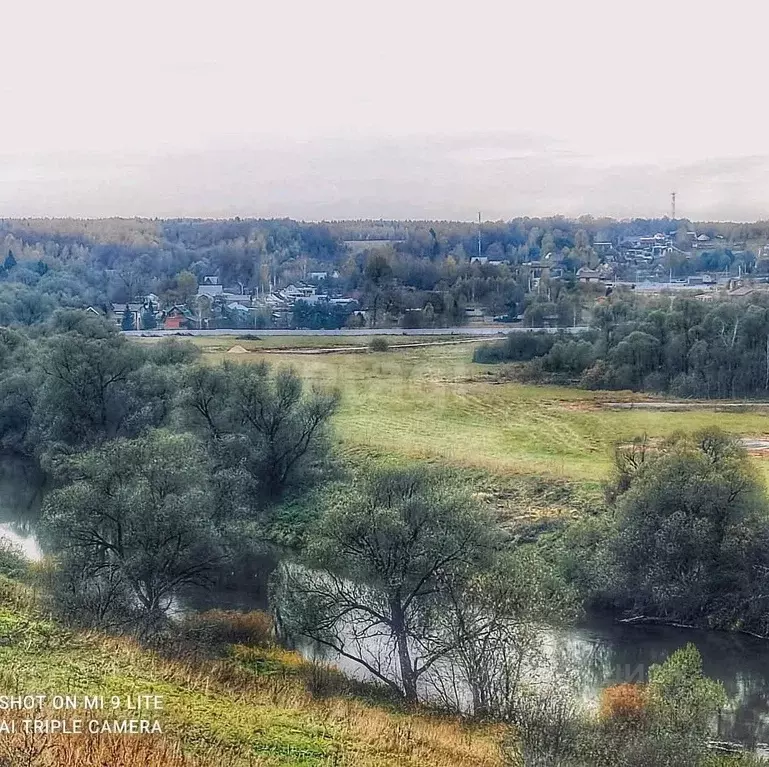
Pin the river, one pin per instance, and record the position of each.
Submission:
(602, 653)
(598, 653)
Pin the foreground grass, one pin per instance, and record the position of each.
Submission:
(434, 403)
(257, 706)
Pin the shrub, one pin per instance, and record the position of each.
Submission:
(597, 377)
(656, 381)
(623, 702)
(571, 357)
(13, 563)
(672, 715)
(691, 385)
(81, 599)
(218, 628)
(517, 347)
(172, 351)
(378, 344)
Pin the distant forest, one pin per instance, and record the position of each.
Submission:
(393, 269)
(683, 346)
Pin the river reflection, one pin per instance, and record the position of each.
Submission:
(583, 660)
(241, 585)
(20, 497)
(603, 653)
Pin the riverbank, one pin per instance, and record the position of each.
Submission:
(253, 705)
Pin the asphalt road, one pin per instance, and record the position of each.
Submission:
(491, 330)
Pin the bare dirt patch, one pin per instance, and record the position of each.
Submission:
(360, 349)
(684, 405)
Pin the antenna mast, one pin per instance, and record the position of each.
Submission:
(479, 234)
(673, 206)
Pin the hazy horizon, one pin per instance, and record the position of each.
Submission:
(343, 111)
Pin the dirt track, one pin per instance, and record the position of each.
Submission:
(361, 349)
(686, 405)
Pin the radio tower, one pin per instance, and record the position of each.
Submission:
(673, 206)
(479, 234)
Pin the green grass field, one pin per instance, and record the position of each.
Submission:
(434, 403)
(253, 706)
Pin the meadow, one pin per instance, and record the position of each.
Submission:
(433, 403)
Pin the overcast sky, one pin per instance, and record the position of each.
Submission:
(406, 108)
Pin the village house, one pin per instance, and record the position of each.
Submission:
(210, 287)
(294, 292)
(135, 310)
(538, 269)
(585, 275)
(176, 318)
(701, 241)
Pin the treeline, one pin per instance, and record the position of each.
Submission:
(682, 346)
(523, 237)
(402, 272)
(156, 471)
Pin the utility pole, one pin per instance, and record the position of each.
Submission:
(479, 234)
(766, 377)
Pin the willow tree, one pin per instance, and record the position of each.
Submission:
(133, 522)
(262, 427)
(387, 564)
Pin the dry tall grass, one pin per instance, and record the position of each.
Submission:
(250, 707)
(623, 702)
(21, 749)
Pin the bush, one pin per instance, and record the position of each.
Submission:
(663, 724)
(517, 347)
(623, 702)
(378, 344)
(656, 381)
(572, 357)
(217, 628)
(13, 563)
(172, 351)
(81, 599)
(597, 377)
(691, 385)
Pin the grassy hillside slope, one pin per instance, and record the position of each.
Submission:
(254, 706)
